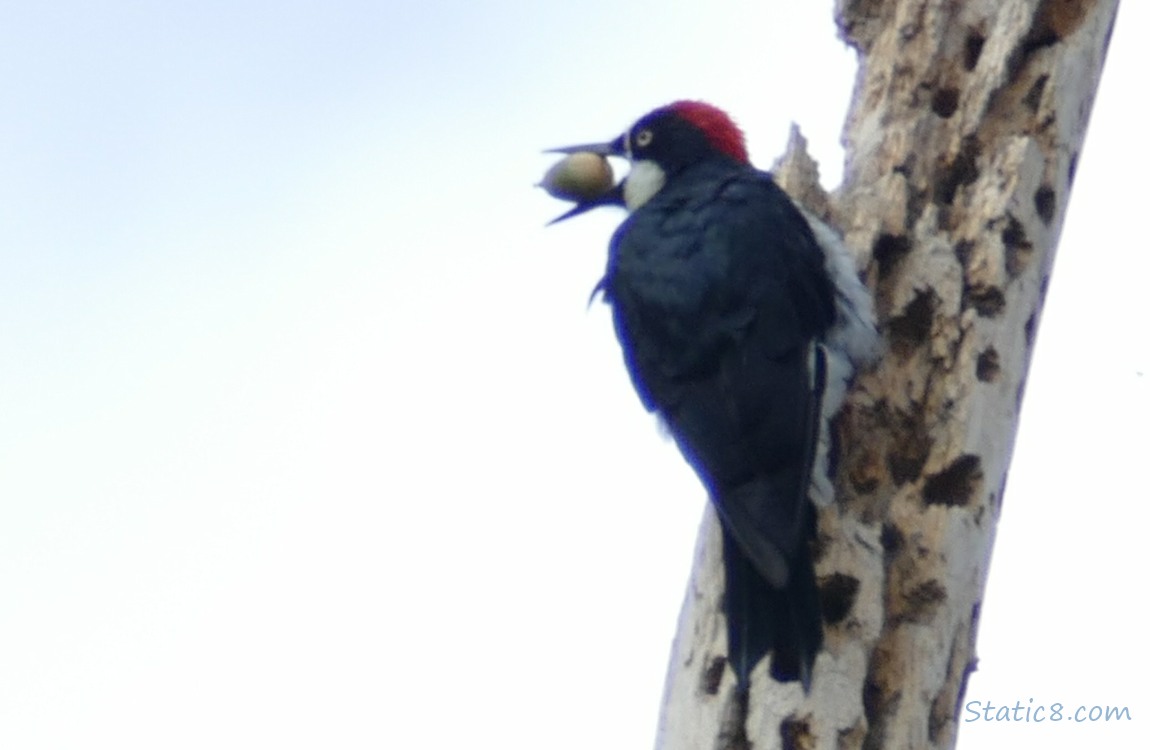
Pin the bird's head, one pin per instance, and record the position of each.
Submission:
(661, 144)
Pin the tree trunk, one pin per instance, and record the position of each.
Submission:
(962, 140)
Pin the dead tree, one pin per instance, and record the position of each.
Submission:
(967, 120)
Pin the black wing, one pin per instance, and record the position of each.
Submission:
(719, 293)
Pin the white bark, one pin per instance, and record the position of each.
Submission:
(965, 128)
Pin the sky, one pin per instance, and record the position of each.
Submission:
(309, 438)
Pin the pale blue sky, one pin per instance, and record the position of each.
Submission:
(309, 439)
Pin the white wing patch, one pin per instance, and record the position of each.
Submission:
(852, 342)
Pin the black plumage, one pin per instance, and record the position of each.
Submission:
(718, 292)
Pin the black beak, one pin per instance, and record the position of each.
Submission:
(613, 197)
(612, 148)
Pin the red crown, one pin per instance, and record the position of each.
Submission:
(719, 128)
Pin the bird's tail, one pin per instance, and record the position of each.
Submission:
(762, 619)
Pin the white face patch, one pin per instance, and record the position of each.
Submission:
(644, 180)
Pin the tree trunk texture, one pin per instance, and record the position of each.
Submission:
(967, 120)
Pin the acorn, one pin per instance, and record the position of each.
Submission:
(579, 177)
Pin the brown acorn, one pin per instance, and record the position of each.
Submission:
(578, 177)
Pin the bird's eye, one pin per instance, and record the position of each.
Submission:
(644, 138)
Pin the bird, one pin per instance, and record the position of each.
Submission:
(741, 318)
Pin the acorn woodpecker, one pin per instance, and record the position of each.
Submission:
(741, 318)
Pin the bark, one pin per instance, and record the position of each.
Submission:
(967, 120)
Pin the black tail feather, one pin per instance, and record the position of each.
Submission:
(762, 619)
